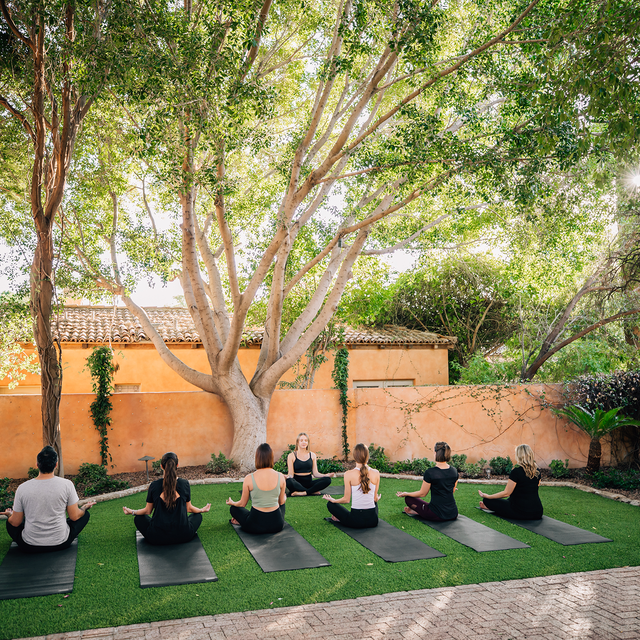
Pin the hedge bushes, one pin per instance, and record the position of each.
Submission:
(92, 479)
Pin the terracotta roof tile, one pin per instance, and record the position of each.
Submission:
(96, 324)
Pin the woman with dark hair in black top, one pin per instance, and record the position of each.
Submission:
(170, 500)
(442, 481)
(523, 501)
(302, 468)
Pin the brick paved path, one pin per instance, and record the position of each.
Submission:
(598, 604)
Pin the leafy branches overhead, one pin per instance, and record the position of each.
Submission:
(290, 140)
(464, 297)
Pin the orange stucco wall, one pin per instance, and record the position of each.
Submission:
(406, 422)
(141, 364)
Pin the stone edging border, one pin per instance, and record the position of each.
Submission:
(605, 494)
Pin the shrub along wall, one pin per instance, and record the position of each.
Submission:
(481, 422)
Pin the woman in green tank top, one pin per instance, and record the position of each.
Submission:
(266, 488)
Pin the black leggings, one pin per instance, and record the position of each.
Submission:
(356, 518)
(502, 507)
(308, 484)
(255, 521)
(423, 509)
(143, 525)
(75, 527)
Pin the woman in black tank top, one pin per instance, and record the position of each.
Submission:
(302, 466)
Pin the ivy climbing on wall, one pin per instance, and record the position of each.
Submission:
(102, 368)
(340, 376)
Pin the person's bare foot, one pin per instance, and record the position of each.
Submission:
(482, 506)
(298, 493)
(234, 521)
(410, 511)
(335, 519)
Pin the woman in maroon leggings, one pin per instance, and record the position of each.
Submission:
(442, 481)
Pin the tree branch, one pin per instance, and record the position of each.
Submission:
(25, 123)
(14, 29)
(540, 360)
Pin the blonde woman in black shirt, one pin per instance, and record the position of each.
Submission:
(523, 501)
(169, 499)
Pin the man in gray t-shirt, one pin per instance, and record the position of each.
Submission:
(38, 520)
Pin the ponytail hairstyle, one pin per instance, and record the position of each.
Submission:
(525, 458)
(443, 452)
(169, 463)
(361, 456)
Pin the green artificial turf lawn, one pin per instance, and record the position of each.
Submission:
(106, 591)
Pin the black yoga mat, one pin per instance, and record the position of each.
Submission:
(561, 532)
(475, 535)
(172, 564)
(390, 543)
(282, 551)
(25, 575)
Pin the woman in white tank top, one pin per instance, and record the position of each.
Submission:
(361, 489)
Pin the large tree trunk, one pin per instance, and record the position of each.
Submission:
(595, 453)
(249, 414)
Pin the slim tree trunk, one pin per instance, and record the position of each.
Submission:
(52, 173)
(595, 453)
(48, 351)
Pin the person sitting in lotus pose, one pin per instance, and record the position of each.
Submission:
(302, 467)
(169, 498)
(442, 481)
(523, 501)
(38, 522)
(360, 488)
(266, 487)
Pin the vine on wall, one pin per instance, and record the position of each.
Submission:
(340, 376)
(102, 368)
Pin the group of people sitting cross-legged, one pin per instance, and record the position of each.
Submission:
(519, 500)
(39, 523)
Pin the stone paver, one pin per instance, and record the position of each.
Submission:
(596, 605)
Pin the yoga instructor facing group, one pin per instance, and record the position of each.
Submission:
(302, 467)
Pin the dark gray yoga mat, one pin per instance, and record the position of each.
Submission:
(283, 551)
(556, 530)
(172, 564)
(475, 535)
(390, 543)
(25, 575)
